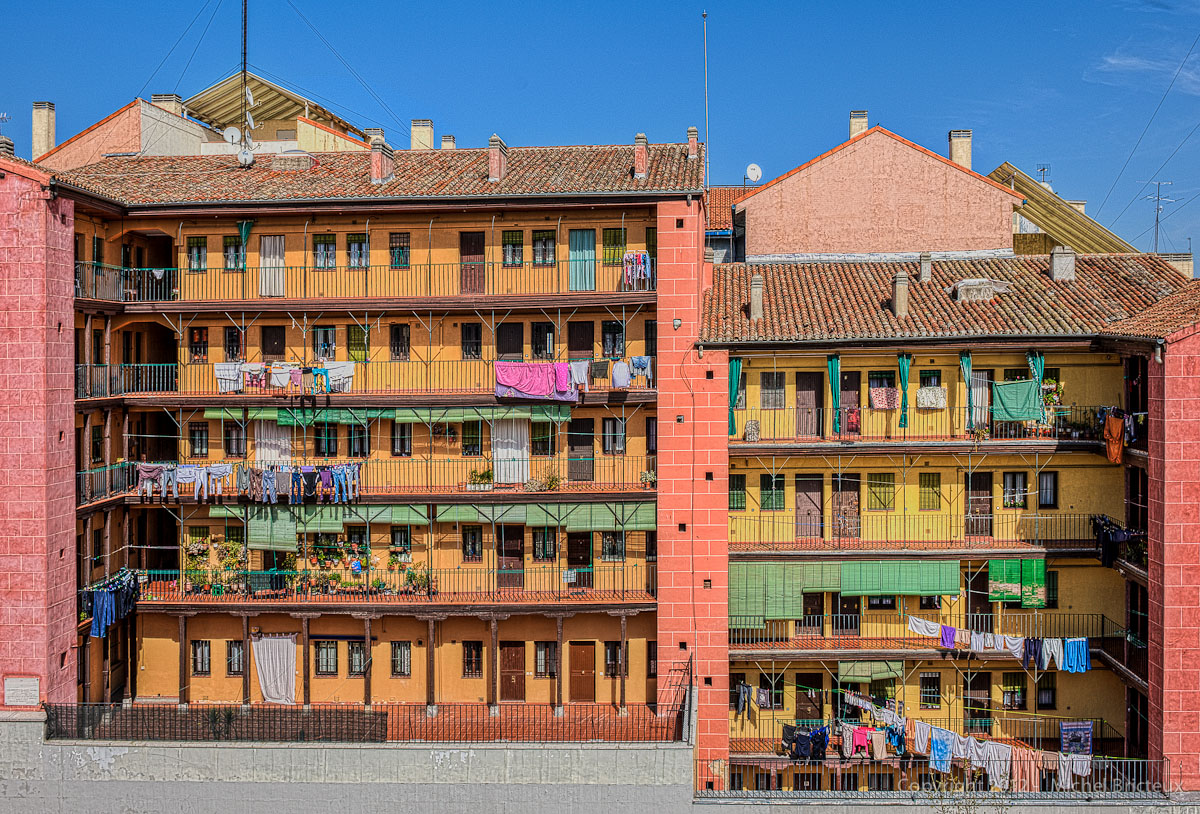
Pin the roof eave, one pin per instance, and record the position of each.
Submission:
(893, 341)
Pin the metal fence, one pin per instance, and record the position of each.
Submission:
(346, 723)
(104, 481)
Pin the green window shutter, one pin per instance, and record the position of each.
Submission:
(224, 511)
(322, 519)
(271, 529)
(737, 493)
(881, 491)
(1033, 583)
(235, 414)
(772, 496)
(513, 513)
(821, 577)
(544, 515)
(863, 578)
(930, 491)
(864, 671)
(1004, 580)
(939, 578)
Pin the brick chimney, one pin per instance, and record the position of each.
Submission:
(900, 294)
(6, 147)
(497, 158)
(693, 143)
(1062, 264)
(640, 148)
(858, 122)
(960, 148)
(383, 167)
(926, 273)
(170, 102)
(422, 134)
(448, 143)
(43, 128)
(373, 134)
(756, 297)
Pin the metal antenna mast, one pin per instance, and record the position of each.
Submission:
(245, 79)
(1159, 200)
(704, 16)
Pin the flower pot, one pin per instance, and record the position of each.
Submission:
(479, 487)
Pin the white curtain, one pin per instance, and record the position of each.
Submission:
(271, 271)
(275, 662)
(272, 444)
(981, 399)
(510, 450)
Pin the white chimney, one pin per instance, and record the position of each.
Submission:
(1062, 264)
(900, 294)
(373, 134)
(448, 143)
(960, 147)
(6, 147)
(422, 134)
(756, 297)
(43, 129)
(926, 273)
(171, 102)
(858, 122)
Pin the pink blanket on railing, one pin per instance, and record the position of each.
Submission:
(538, 380)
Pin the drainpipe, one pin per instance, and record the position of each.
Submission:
(304, 254)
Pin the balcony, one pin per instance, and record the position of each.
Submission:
(104, 482)
(864, 425)
(423, 283)
(884, 531)
(875, 631)
(464, 376)
(631, 582)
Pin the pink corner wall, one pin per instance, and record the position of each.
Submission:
(1174, 559)
(691, 614)
(878, 194)
(37, 525)
(120, 132)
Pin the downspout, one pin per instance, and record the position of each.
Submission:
(304, 254)
(732, 233)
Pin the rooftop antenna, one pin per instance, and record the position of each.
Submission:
(3, 118)
(704, 17)
(245, 156)
(1159, 199)
(1043, 170)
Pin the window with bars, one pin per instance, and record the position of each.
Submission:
(614, 247)
(545, 544)
(472, 659)
(772, 496)
(930, 488)
(358, 440)
(472, 340)
(881, 378)
(324, 251)
(887, 602)
(512, 243)
(931, 603)
(357, 343)
(737, 492)
(398, 250)
(197, 253)
(472, 439)
(510, 341)
(881, 491)
(612, 546)
(472, 543)
(1013, 688)
(201, 657)
(235, 253)
(401, 439)
(542, 435)
(1047, 490)
(98, 248)
(326, 658)
(612, 338)
(1051, 589)
(356, 657)
(613, 439)
(97, 444)
(740, 404)
(615, 661)
(773, 684)
(545, 661)
(234, 347)
(358, 255)
(651, 546)
(198, 438)
(882, 688)
(772, 392)
(1014, 490)
(652, 242)
(325, 341)
(235, 439)
(325, 439)
(401, 659)
(931, 378)
(541, 340)
(650, 332)
(357, 535)
(651, 659)
(651, 435)
(543, 248)
(198, 345)
(401, 538)
(234, 657)
(1047, 695)
(399, 342)
(931, 690)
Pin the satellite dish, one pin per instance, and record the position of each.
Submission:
(754, 173)
(249, 97)
(249, 143)
(245, 158)
(231, 134)
(249, 121)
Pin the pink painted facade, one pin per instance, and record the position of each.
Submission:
(37, 546)
(878, 193)
(1174, 558)
(693, 464)
(119, 132)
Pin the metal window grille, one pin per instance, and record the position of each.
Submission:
(930, 484)
(401, 659)
(614, 247)
(543, 248)
(401, 439)
(197, 253)
(324, 251)
(737, 492)
(201, 657)
(402, 538)
(881, 491)
(472, 659)
(398, 249)
(235, 253)
(772, 392)
(358, 253)
(544, 659)
(233, 657)
(326, 652)
(513, 244)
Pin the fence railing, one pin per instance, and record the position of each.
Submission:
(770, 529)
(375, 377)
(913, 778)
(884, 629)
(815, 425)
(1123, 646)
(408, 584)
(104, 481)
(347, 723)
(358, 281)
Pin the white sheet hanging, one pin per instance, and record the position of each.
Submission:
(981, 399)
(272, 443)
(271, 272)
(510, 450)
(275, 663)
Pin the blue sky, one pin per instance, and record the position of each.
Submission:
(1070, 84)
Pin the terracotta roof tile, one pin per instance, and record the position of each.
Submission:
(719, 205)
(1166, 317)
(420, 174)
(823, 302)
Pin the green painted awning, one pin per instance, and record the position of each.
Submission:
(410, 515)
(323, 519)
(484, 513)
(900, 577)
(271, 528)
(547, 514)
(863, 671)
(235, 414)
(289, 417)
(457, 415)
(775, 590)
(225, 511)
(612, 517)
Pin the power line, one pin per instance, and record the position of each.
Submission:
(1159, 199)
(332, 103)
(211, 17)
(150, 78)
(1147, 127)
(1168, 215)
(1156, 172)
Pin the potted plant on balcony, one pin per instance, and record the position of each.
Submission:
(479, 480)
(416, 578)
(649, 478)
(552, 482)
(393, 561)
(979, 432)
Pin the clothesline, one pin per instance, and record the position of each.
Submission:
(336, 483)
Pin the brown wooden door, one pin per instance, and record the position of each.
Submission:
(809, 395)
(512, 671)
(583, 672)
(471, 258)
(851, 414)
(581, 339)
(579, 557)
(809, 689)
(511, 544)
(581, 442)
(978, 520)
(846, 521)
(809, 522)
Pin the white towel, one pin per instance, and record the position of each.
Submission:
(281, 375)
(960, 745)
(976, 751)
(579, 372)
(229, 376)
(1071, 766)
(1014, 645)
(921, 733)
(341, 376)
(924, 627)
(997, 762)
(977, 643)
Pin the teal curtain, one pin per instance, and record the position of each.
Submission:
(735, 378)
(835, 391)
(244, 234)
(1037, 370)
(582, 247)
(1017, 401)
(905, 361)
(964, 361)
